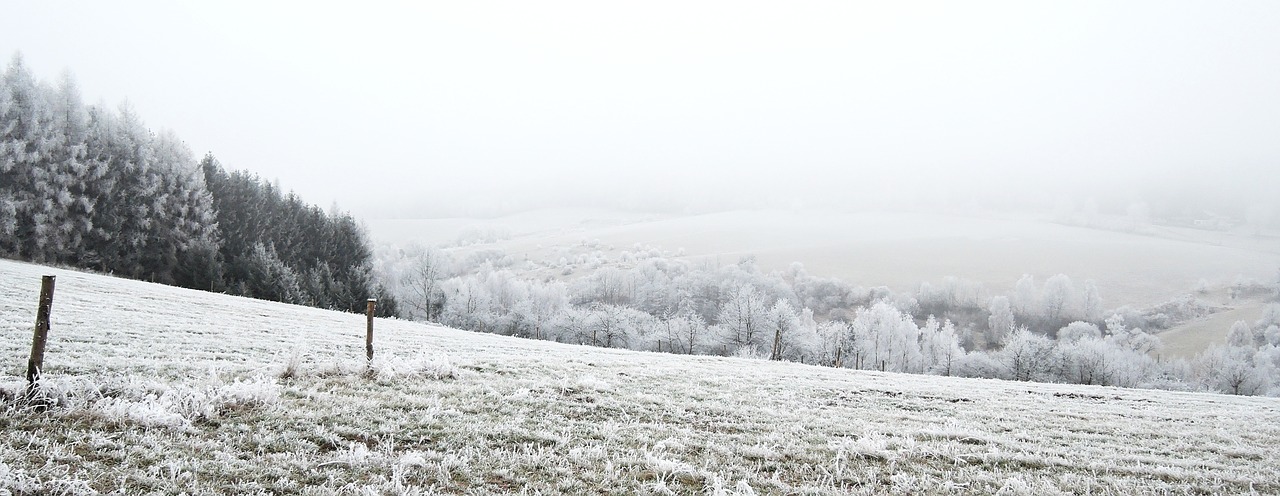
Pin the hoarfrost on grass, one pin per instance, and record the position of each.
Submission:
(294, 407)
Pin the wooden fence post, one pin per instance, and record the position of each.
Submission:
(368, 336)
(36, 363)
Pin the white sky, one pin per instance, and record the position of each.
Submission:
(385, 106)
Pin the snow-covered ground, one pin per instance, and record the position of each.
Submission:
(1188, 339)
(168, 390)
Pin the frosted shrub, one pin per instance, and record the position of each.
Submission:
(355, 455)
(150, 412)
(978, 364)
(437, 366)
(1230, 370)
(591, 383)
(150, 403)
(666, 467)
(1077, 331)
(256, 392)
(870, 446)
(217, 398)
(211, 400)
(293, 367)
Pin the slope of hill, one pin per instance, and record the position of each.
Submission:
(1190, 338)
(898, 250)
(167, 390)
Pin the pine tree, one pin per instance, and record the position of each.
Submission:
(24, 146)
(76, 174)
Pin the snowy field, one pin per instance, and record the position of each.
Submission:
(898, 250)
(169, 390)
(1186, 340)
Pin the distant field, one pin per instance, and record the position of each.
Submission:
(169, 390)
(895, 249)
(1186, 340)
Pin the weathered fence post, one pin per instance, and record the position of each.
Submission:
(368, 336)
(36, 363)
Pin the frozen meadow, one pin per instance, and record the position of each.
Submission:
(160, 389)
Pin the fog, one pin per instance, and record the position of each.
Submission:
(476, 108)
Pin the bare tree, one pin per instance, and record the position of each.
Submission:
(423, 292)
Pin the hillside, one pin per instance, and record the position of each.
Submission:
(898, 250)
(169, 390)
(1190, 338)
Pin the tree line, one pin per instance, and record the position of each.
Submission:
(91, 187)
(649, 300)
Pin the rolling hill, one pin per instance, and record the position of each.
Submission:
(159, 389)
(898, 250)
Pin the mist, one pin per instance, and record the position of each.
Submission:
(797, 228)
(399, 110)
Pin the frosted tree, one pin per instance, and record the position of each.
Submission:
(980, 364)
(569, 326)
(888, 339)
(613, 326)
(1133, 340)
(182, 245)
(1026, 298)
(806, 341)
(693, 331)
(1078, 330)
(1270, 316)
(539, 309)
(271, 279)
(8, 199)
(194, 222)
(1230, 370)
(1057, 300)
(656, 290)
(1089, 360)
(940, 345)
(930, 298)
(25, 146)
(1028, 357)
(1266, 362)
(609, 285)
(742, 319)
(831, 341)
(421, 280)
(505, 291)
(468, 305)
(783, 324)
(1240, 335)
(95, 188)
(124, 223)
(681, 333)
(827, 297)
(63, 208)
(1091, 302)
(328, 250)
(1000, 323)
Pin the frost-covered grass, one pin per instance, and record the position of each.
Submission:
(165, 390)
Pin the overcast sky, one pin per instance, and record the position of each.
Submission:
(382, 107)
